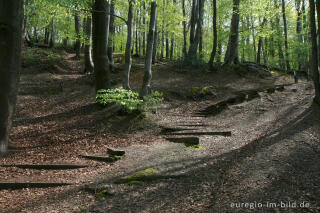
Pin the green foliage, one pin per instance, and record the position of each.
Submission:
(128, 99)
(37, 56)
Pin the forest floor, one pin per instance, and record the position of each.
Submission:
(268, 160)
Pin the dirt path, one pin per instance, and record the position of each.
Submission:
(271, 155)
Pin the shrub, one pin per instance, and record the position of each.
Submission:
(128, 99)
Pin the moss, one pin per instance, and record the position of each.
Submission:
(105, 193)
(135, 183)
(197, 146)
(142, 173)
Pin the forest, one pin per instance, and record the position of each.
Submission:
(159, 106)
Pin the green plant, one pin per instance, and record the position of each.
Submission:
(128, 99)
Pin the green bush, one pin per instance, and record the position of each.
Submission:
(128, 99)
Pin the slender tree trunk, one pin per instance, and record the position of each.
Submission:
(167, 46)
(77, 45)
(111, 36)
(143, 31)
(298, 30)
(260, 42)
(254, 40)
(199, 22)
(128, 60)
(162, 31)
(53, 34)
(87, 49)
(155, 44)
(285, 35)
(11, 21)
(184, 30)
(46, 35)
(146, 85)
(215, 34)
(232, 54)
(100, 33)
(314, 59)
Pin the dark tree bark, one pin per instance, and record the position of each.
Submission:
(128, 60)
(285, 35)
(155, 44)
(77, 45)
(215, 33)
(52, 43)
(232, 54)
(314, 59)
(146, 85)
(100, 33)
(11, 20)
(194, 42)
(89, 67)
(46, 35)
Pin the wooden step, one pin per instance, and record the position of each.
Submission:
(21, 185)
(226, 134)
(102, 158)
(46, 166)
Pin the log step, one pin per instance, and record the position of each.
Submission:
(22, 185)
(102, 158)
(226, 134)
(186, 140)
(46, 166)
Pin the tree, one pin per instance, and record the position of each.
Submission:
(285, 35)
(77, 45)
(232, 55)
(89, 66)
(146, 85)
(314, 59)
(11, 16)
(215, 34)
(128, 60)
(100, 33)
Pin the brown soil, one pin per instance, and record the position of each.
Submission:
(272, 155)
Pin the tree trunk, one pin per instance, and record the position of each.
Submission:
(52, 43)
(11, 20)
(100, 33)
(184, 30)
(232, 55)
(77, 46)
(167, 46)
(128, 60)
(194, 43)
(314, 59)
(111, 36)
(143, 31)
(89, 67)
(215, 33)
(162, 31)
(155, 44)
(146, 85)
(285, 35)
(260, 42)
(298, 30)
